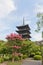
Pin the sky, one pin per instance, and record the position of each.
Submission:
(12, 13)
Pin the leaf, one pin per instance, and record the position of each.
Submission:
(38, 23)
(42, 23)
(36, 30)
(39, 15)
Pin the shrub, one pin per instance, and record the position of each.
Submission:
(37, 57)
(10, 57)
(6, 58)
(24, 56)
(1, 60)
(20, 56)
(38, 53)
(32, 54)
(16, 58)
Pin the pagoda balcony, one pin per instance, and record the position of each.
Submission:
(24, 31)
(26, 36)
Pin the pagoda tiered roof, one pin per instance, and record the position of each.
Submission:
(24, 30)
(24, 26)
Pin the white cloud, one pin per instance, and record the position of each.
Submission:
(38, 8)
(3, 27)
(6, 6)
(36, 36)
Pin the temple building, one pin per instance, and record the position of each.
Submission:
(24, 30)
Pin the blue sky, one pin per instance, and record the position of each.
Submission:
(12, 13)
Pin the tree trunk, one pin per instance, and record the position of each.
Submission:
(42, 56)
(13, 57)
(42, 60)
(41, 52)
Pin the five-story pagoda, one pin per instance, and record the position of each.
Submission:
(24, 30)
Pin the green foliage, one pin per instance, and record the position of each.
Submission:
(16, 58)
(26, 45)
(35, 48)
(37, 57)
(38, 53)
(28, 49)
(2, 45)
(24, 56)
(20, 56)
(1, 60)
(14, 63)
(10, 56)
(32, 54)
(40, 21)
(6, 57)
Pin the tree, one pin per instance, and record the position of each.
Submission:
(14, 41)
(40, 28)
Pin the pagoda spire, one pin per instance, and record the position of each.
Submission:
(23, 21)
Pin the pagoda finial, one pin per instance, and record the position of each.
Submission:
(23, 20)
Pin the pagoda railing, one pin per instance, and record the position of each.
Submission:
(24, 29)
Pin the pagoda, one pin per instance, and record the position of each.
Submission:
(24, 30)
